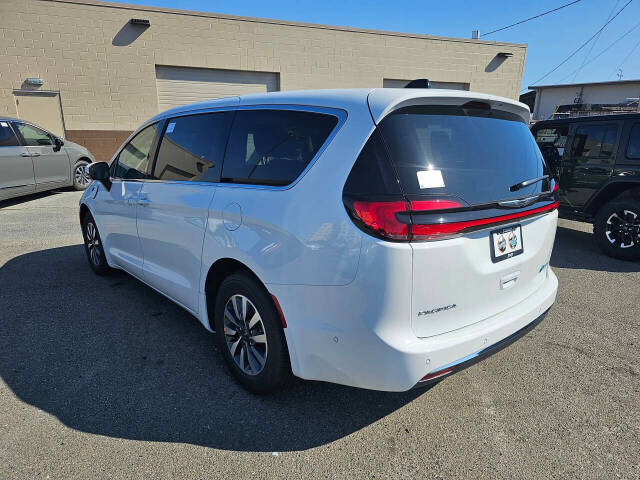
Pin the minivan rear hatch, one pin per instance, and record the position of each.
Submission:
(478, 207)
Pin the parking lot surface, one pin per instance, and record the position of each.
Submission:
(104, 378)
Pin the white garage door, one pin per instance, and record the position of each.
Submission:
(181, 85)
(396, 83)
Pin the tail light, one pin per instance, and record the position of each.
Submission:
(393, 220)
(381, 218)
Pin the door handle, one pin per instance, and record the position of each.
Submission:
(25, 154)
(35, 154)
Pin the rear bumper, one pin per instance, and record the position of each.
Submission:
(334, 336)
(476, 357)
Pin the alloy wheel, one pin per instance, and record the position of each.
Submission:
(623, 228)
(93, 243)
(245, 335)
(81, 176)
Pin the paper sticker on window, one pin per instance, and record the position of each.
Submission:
(170, 127)
(430, 179)
(4, 124)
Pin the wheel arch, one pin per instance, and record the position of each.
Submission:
(613, 190)
(83, 212)
(218, 271)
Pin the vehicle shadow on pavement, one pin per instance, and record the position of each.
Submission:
(12, 202)
(578, 249)
(110, 356)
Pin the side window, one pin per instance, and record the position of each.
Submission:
(372, 172)
(33, 136)
(133, 160)
(192, 147)
(595, 143)
(633, 149)
(273, 147)
(552, 141)
(7, 137)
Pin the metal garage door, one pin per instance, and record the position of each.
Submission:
(181, 85)
(396, 83)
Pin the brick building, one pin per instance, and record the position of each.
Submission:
(93, 71)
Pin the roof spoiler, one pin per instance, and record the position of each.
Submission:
(419, 83)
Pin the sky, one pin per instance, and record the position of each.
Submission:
(550, 39)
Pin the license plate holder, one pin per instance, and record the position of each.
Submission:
(506, 242)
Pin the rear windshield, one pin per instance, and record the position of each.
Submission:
(472, 154)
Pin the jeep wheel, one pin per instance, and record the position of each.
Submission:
(617, 229)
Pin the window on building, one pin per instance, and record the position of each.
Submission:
(133, 160)
(633, 149)
(595, 143)
(7, 137)
(192, 147)
(273, 147)
(33, 136)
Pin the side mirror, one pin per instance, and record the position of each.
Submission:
(99, 171)
(58, 143)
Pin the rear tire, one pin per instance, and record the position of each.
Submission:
(81, 179)
(617, 229)
(93, 246)
(250, 334)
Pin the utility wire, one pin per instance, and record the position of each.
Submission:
(629, 55)
(603, 51)
(531, 18)
(593, 45)
(581, 46)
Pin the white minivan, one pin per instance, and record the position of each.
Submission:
(379, 238)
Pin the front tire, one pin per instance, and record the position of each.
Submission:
(81, 179)
(93, 246)
(250, 334)
(617, 229)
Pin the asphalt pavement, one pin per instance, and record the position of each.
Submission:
(101, 377)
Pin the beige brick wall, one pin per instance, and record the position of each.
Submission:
(70, 45)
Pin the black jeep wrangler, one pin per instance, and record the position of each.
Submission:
(596, 161)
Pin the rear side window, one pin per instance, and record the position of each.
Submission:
(133, 161)
(552, 142)
(273, 147)
(372, 173)
(192, 147)
(594, 143)
(7, 137)
(472, 154)
(633, 149)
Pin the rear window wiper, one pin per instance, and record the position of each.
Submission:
(526, 183)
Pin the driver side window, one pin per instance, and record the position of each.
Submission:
(33, 136)
(133, 161)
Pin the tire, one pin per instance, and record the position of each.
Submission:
(617, 229)
(257, 354)
(80, 178)
(93, 246)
